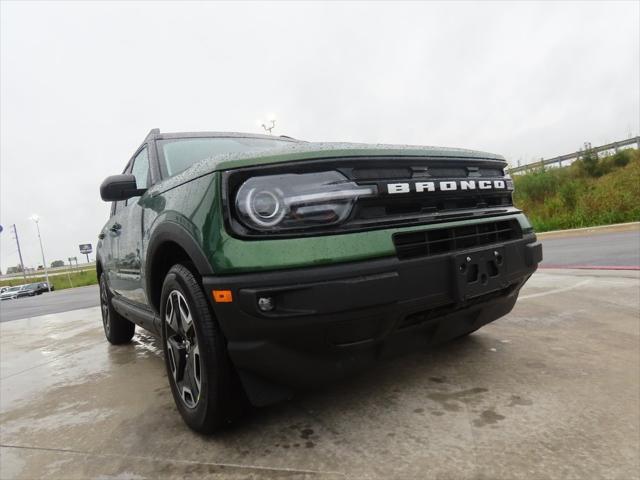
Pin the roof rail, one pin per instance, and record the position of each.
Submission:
(154, 131)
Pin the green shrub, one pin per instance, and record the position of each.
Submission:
(589, 192)
(622, 158)
(589, 163)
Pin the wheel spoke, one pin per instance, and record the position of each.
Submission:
(172, 313)
(189, 384)
(177, 358)
(197, 366)
(185, 314)
(188, 398)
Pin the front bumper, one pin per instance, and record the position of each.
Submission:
(331, 321)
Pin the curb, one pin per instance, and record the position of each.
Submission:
(590, 267)
(616, 227)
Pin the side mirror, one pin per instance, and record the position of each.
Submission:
(119, 187)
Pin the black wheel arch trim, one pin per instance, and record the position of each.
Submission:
(169, 231)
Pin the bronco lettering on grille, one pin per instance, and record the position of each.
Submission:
(445, 186)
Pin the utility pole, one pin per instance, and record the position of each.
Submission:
(36, 219)
(15, 235)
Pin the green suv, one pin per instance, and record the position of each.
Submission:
(268, 264)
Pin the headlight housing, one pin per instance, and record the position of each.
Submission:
(297, 201)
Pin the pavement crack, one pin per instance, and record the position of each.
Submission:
(178, 461)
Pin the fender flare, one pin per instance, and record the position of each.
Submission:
(170, 231)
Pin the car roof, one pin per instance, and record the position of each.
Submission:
(156, 135)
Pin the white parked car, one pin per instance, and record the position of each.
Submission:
(10, 292)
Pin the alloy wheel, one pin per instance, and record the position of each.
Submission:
(182, 349)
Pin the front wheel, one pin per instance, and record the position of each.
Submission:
(199, 370)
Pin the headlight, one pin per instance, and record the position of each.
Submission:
(296, 201)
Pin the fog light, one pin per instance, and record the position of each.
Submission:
(266, 304)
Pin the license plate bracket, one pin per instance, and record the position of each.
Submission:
(478, 272)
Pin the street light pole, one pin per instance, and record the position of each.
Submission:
(44, 262)
(268, 128)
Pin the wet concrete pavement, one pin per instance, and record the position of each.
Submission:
(550, 391)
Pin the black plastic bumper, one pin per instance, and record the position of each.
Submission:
(331, 321)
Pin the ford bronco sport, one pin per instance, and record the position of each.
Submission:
(267, 264)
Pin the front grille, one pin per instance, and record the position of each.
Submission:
(425, 205)
(415, 207)
(445, 240)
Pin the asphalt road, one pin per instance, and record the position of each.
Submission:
(593, 248)
(599, 247)
(53, 302)
(550, 391)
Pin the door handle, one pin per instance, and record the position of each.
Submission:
(115, 227)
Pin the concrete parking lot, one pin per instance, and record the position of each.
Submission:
(550, 391)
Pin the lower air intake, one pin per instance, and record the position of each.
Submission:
(445, 240)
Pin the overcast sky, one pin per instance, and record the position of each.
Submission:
(83, 83)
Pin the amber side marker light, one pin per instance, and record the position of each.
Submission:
(222, 296)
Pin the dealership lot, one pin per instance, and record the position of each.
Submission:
(550, 391)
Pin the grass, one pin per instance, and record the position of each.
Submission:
(58, 281)
(591, 191)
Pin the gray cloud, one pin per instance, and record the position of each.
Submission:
(82, 83)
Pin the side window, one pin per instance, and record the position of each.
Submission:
(140, 170)
(117, 206)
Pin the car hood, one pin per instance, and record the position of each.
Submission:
(309, 150)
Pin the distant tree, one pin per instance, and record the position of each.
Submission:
(57, 263)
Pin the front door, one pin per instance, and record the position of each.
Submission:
(131, 220)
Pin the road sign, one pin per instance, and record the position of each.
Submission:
(86, 248)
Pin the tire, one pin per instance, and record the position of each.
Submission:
(200, 374)
(117, 329)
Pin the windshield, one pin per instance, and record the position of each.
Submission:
(179, 154)
(13, 289)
